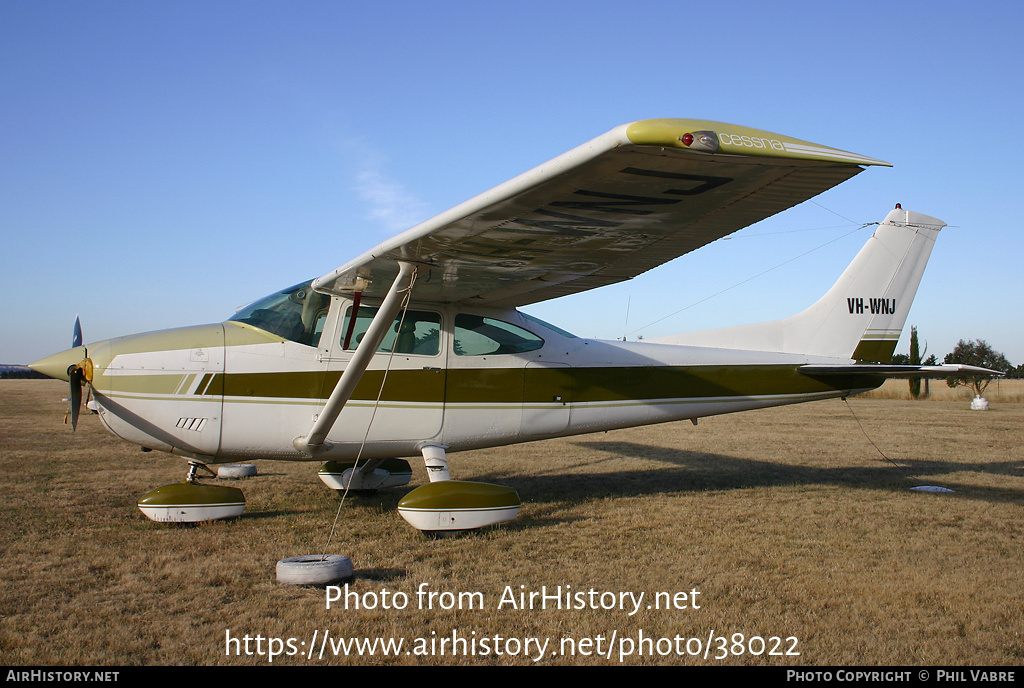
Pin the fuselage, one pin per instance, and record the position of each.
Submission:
(447, 375)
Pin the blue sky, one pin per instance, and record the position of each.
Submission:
(162, 164)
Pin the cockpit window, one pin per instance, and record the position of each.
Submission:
(296, 313)
(476, 335)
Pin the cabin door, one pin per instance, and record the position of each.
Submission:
(401, 394)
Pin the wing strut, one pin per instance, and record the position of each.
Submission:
(314, 442)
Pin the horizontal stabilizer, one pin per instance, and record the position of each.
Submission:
(897, 370)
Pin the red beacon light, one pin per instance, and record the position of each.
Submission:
(702, 141)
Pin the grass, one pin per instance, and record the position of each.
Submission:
(786, 521)
(1009, 391)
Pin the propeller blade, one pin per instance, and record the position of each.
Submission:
(76, 395)
(77, 374)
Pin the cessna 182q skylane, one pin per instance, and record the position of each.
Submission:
(416, 346)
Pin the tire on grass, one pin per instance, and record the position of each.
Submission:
(314, 569)
(233, 471)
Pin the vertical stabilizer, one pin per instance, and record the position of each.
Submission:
(862, 315)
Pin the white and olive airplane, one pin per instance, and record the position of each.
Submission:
(416, 347)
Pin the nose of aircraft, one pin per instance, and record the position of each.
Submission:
(56, 366)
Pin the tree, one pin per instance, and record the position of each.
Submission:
(915, 359)
(976, 353)
(930, 361)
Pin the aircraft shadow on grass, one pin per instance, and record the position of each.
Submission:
(688, 471)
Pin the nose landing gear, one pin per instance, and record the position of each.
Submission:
(192, 502)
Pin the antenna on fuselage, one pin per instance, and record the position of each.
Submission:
(625, 325)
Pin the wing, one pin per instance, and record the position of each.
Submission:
(611, 209)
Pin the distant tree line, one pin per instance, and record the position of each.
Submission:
(16, 372)
(968, 352)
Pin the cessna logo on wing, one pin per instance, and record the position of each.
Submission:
(750, 141)
(874, 306)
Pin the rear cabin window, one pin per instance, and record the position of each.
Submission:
(419, 332)
(476, 335)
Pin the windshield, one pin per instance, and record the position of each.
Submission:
(296, 313)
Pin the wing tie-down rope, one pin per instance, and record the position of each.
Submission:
(380, 393)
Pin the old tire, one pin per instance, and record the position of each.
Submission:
(234, 471)
(314, 569)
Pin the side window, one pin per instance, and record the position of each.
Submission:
(418, 333)
(476, 335)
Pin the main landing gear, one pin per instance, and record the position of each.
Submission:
(372, 475)
(192, 502)
(444, 504)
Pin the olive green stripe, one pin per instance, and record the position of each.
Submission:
(148, 384)
(313, 403)
(402, 385)
(875, 350)
(204, 383)
(186, 383)
(317, 403)
(542, 385)
(665, 382)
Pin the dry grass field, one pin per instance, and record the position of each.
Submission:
(786, 521)
(998, 391)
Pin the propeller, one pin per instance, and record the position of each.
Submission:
(78, 374)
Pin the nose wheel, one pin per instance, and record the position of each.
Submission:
(191, 501)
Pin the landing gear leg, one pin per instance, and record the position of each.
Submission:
(436, 462)
(193, 468)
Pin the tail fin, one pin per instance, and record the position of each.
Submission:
(862, 315)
